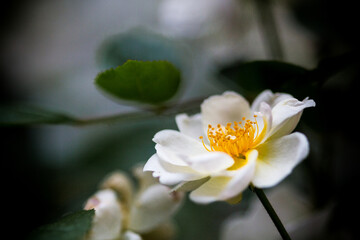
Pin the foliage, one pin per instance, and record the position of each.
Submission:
(25, 114)
(146, 82)
(73, 226)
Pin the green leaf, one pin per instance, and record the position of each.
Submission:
(253, 77)
(24, 114)
(73, 226)
(259, 75)
(147, 82)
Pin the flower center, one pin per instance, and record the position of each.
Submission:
(234, 139)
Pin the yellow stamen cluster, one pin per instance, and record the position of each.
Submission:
(234, 139)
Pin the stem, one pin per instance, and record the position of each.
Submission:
(269, 30)
(166, 111)
(270, 210)
(113, 118)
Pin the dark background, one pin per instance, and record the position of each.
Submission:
(34, 194)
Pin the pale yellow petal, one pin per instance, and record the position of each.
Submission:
(269, 98)
(210, 190)
(286, 115)
(227, 185)
(190, 125)
(223, 109)
(277, 158)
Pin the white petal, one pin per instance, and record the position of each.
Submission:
(264, 122)
(264, 96)
(242, 178)
(286, 115)
(107, 222)
(169, 156)
(210, 162)
(166, 177)
(170, 162)
(153, 207)
(190, 126)
(121, 183)
(210, 190)
(270, 98)
(228, 185)
(129, 235)
(223, 109)
(278, 157)
(179, 143)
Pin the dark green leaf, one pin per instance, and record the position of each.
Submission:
(328, 67)
(258, 75)
(146, 82)
(73, 226)
(23, 114)
(253, 77)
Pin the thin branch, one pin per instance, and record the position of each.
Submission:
(112, 118)
(164, 111)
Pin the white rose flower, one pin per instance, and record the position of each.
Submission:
(125, 213)
(107, 222)
(217, 153)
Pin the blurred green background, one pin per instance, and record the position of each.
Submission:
(51, 52)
